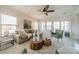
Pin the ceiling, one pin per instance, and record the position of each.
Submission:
(32, 10)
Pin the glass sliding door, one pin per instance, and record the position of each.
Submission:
(67, 29)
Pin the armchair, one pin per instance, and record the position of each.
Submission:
(58, 34)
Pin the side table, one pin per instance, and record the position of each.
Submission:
(47, 42)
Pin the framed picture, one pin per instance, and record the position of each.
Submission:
(27, 24)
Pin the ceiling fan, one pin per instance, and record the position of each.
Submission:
(46, 11)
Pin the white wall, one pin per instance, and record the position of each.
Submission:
(75, 27)
(75, 23)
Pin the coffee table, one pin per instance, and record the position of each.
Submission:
(36, 45)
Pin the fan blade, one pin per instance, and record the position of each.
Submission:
(45, 13)
(45, 9)
(51, 11)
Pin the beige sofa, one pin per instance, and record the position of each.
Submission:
(20, 37)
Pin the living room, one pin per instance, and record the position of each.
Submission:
(44, 20)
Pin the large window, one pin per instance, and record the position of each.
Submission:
(67, 26)
(62, 25)
(8, 24)
(56, 26)
(43, 25)
(49, 25)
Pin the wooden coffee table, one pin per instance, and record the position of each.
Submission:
(36, 45)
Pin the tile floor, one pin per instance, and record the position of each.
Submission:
(63, 46)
